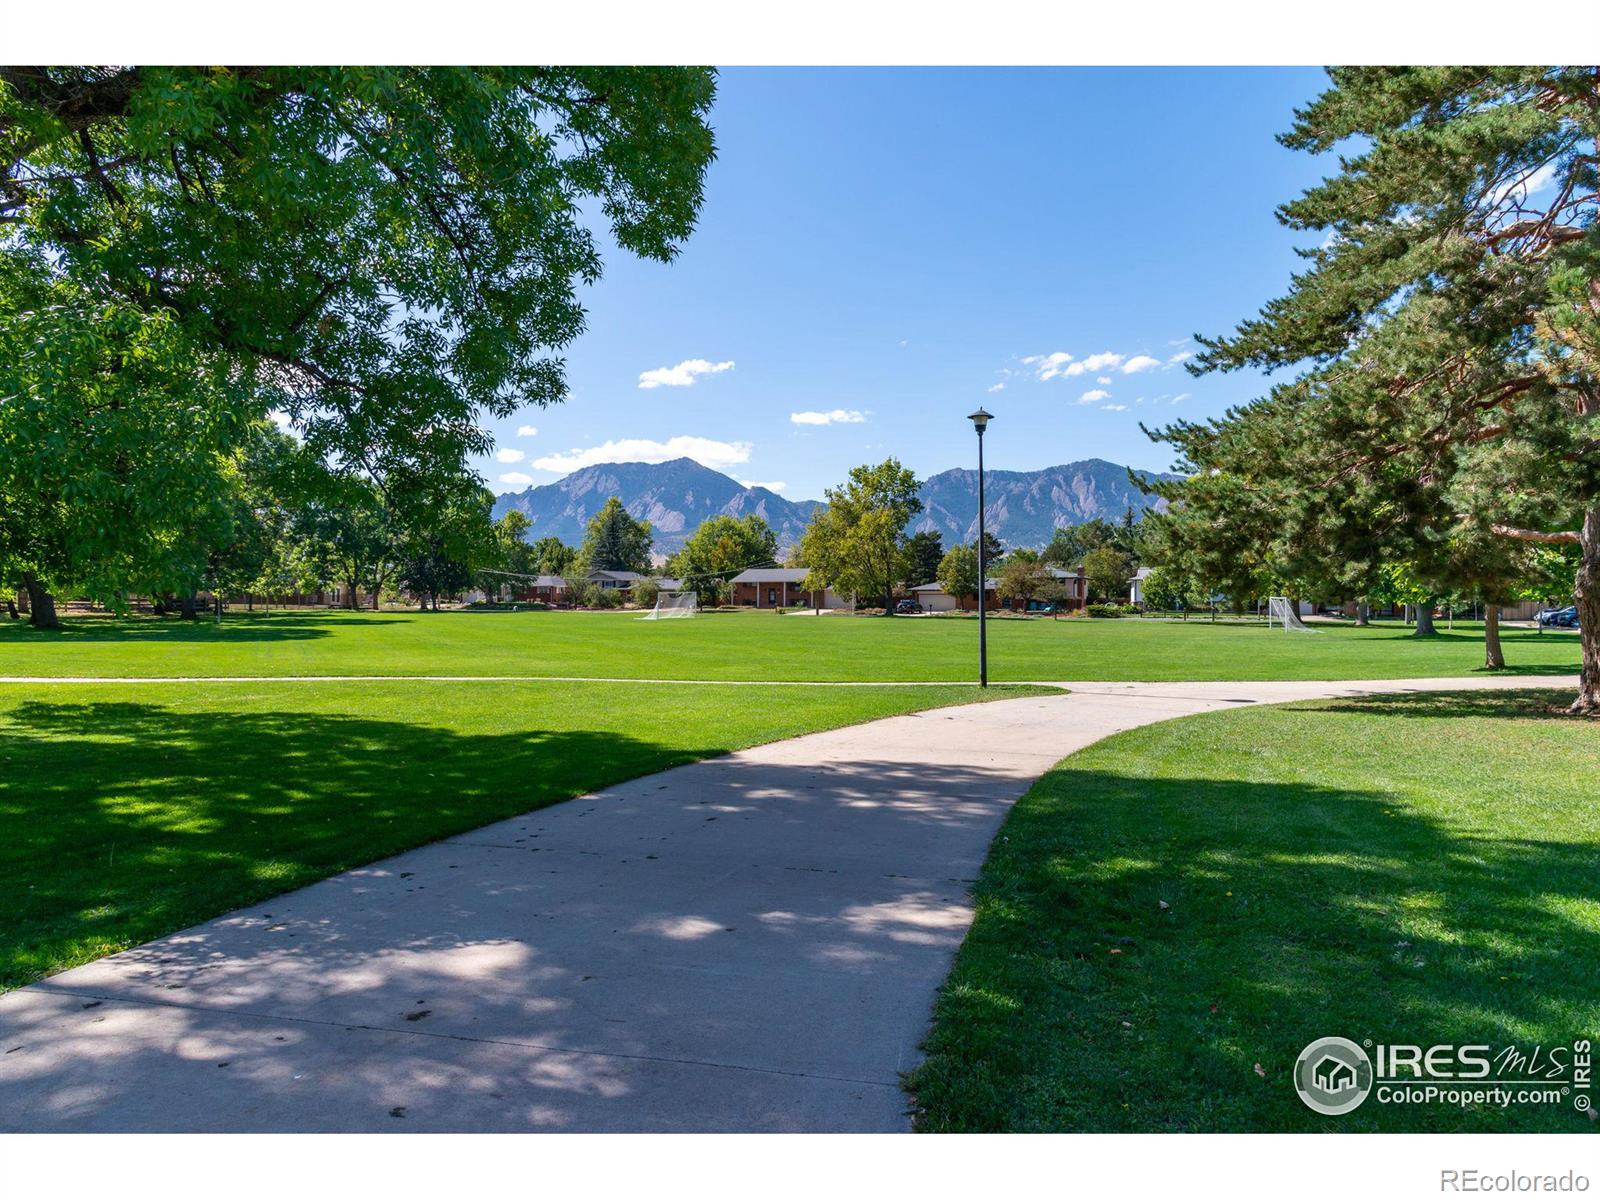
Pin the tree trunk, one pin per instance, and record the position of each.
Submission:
(1363, 615)
(375, 598)
(1424, 619)
(1493, 658)
(41, 604)
(186, 607)
(353, 602)
(1586, 594)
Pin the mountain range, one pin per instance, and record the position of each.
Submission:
(1022, 508)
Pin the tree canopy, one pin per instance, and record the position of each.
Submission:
(958, 571)
(856, 545)
(385, 255)
(615, 541)
(1447, 335)
(720, 548)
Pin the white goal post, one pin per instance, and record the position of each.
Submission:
(674, 604)
(1281, 612)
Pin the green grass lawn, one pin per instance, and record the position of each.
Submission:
(754, 646)
(128, 812)
(1411, 869)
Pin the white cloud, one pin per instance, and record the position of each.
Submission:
(836, 416)
(1094, 394)
(705, 451)
(507, 454)
(684, 374)
(998, 387)
(1065, 366)
(1106, 361)
(1114, 407)
(1180, 397)
(516, 477)
(1101, 362)
(1048, 366)
(527, 431)
(774, 486)
(1180, 356)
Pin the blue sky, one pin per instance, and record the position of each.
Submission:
(881, 251)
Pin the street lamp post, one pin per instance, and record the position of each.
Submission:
(980, 421)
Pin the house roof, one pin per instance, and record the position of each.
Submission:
(667, 584)
(938, 587)
(1140, 575)
(629, 576)
(772, 575)
(549, 581)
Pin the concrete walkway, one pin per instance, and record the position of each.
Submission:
(748, 943)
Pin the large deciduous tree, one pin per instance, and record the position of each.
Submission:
(385, 254)
(720, 548)
(1106, 573)
(116, 448)
(856, 545)
(1449, 324)
(958, 572)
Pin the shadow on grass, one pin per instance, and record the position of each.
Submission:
(572, 969)
(1519, 704)
(130, 820)
(1151, 954)
(235, 627)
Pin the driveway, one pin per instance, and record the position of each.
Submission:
(747, 943)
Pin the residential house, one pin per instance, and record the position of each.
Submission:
(542, 589)
(614, 581)
(934, 598)
(781, 587)
(1136, 586)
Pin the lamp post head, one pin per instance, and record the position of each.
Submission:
(980, 419)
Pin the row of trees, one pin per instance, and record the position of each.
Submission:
(858, 546)
(1443, 435)
(384, 255)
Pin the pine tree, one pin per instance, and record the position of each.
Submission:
(1449, 322)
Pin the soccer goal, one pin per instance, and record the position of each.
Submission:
(1281, 612)
(673, 604)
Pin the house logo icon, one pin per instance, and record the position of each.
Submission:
(1333, 1076)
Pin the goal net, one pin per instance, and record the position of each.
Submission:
(673, 604)
(1281, 612)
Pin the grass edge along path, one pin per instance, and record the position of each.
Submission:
(1170, 915)
(130, 813)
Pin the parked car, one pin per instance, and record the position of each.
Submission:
(907, 606)
(1564, 618)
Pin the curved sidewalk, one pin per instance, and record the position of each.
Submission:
(746, 943)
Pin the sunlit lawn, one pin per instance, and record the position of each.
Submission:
(1171, 915)
(754, 646)
(128, 812)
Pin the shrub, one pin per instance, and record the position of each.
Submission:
(1106, 610)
